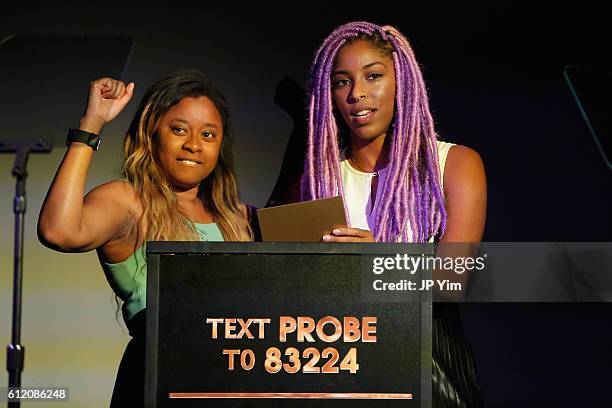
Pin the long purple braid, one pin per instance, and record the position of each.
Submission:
(412, 194)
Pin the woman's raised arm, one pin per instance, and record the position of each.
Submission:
(68, 221)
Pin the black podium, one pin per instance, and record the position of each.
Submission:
(284, 324)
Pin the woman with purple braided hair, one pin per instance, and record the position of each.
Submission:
(371, 140)
(370, 128)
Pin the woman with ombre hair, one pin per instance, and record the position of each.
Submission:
(178, 185)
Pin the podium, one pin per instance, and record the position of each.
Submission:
(285, 324)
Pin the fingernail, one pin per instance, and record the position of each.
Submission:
(336, 231)
(326, 238)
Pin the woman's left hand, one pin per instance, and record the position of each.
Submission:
(349, 235)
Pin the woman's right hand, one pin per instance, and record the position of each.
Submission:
(107, 98)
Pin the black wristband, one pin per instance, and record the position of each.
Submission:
(77, 135)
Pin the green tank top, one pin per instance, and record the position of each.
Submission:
(128, 279)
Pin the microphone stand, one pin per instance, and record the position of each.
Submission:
(15, 352)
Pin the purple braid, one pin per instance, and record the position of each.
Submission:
(412, 194)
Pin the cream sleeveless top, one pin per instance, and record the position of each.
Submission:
(358, 187)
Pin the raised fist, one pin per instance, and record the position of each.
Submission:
(107, 97)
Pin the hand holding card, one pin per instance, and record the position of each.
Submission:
(308, 221)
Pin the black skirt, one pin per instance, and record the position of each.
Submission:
(454, 378)
(129, 385)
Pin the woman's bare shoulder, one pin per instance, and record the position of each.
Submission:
(465, 190)
(120, 193)
(462, 157)
(463, 166)
(123, 201)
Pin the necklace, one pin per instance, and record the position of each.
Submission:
(373, 173)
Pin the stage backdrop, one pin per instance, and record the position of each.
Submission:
(495, 78)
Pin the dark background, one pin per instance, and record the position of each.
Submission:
(494, 72)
